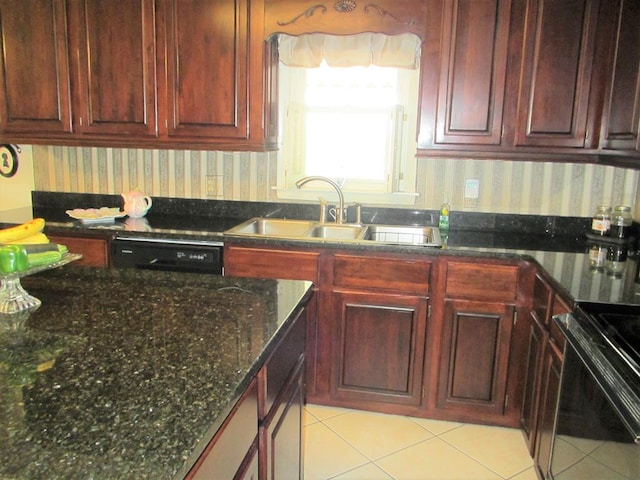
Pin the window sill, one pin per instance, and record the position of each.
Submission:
(401, 199)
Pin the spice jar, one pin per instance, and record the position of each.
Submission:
(616, 261)
(621, 222)
(597, 257)
(601, 222)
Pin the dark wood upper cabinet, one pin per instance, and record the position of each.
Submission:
(116, 66)
(555, 73)
(150, 73)
(207, 66)
(621, 117)
(471, 89)
(34, 67)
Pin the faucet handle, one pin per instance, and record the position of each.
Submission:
(323, 210)
(358, 207)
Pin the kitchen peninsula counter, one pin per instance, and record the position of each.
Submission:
(128, 374)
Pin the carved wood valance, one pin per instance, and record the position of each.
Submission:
(345, 17)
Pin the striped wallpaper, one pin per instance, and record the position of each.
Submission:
(565, 189)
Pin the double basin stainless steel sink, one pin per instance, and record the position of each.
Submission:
(332, 232)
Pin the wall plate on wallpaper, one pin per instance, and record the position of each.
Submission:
(8, 161)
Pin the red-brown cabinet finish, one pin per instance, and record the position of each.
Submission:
(35, 85)
(535, 349)
(549, 390)
(378, 348)
(621, 118)
(472, 83)
(207, 67)
(116, 66)
(475, 357)
(555, 77)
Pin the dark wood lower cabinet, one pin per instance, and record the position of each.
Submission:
(224, 456)
(378, 348)
(262, 436)
(529, 412)
(474, 358)
(549, 390)
(282, 432)
(95, 251)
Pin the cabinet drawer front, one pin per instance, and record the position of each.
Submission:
(407, 276)
(93, 250)
(495, 282)
(268, 263)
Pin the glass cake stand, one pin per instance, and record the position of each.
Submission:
(14, 298)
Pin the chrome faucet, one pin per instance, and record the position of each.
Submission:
(340, 209)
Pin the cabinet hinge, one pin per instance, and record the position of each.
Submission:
(429, 311)
(502, 132)
(515, 318)
(81, 121)
(506, 401)
(423, 391)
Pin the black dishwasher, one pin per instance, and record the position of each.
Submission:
(168, 254)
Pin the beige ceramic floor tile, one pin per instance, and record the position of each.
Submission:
(620, 457)
(528, 474)
(308, 418)
(366, 472)
(436, 427)
(565, 454)
(322, 413)
(433, 459)
(589, 469)
(327, 455)
(503, 450)
(375, 434)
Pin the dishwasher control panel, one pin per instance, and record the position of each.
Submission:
(183, 255)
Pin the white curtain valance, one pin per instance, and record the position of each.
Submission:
(361, 50)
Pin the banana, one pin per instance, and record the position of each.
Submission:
(27, 229)
(33, 239)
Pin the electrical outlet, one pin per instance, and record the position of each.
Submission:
(212, 185)
(471, 193)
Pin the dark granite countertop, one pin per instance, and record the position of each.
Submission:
(126, 374)
(559, 245)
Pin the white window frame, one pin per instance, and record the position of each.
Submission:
(399, 187)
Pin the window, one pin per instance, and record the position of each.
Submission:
(356, 125)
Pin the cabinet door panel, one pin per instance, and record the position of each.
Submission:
(529, 410)
(471, 91)
(550, 387)
(34, 94)
(556, 72)
(380, 347)
(207, 57)
(117, 67)
(622, 110)
(474, 359)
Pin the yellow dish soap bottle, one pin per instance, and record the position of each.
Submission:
(443, 223)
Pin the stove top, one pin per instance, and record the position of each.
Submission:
(620, 327)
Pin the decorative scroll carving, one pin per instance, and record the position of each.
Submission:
(345, 6)
(385, 13)
(309, 12)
